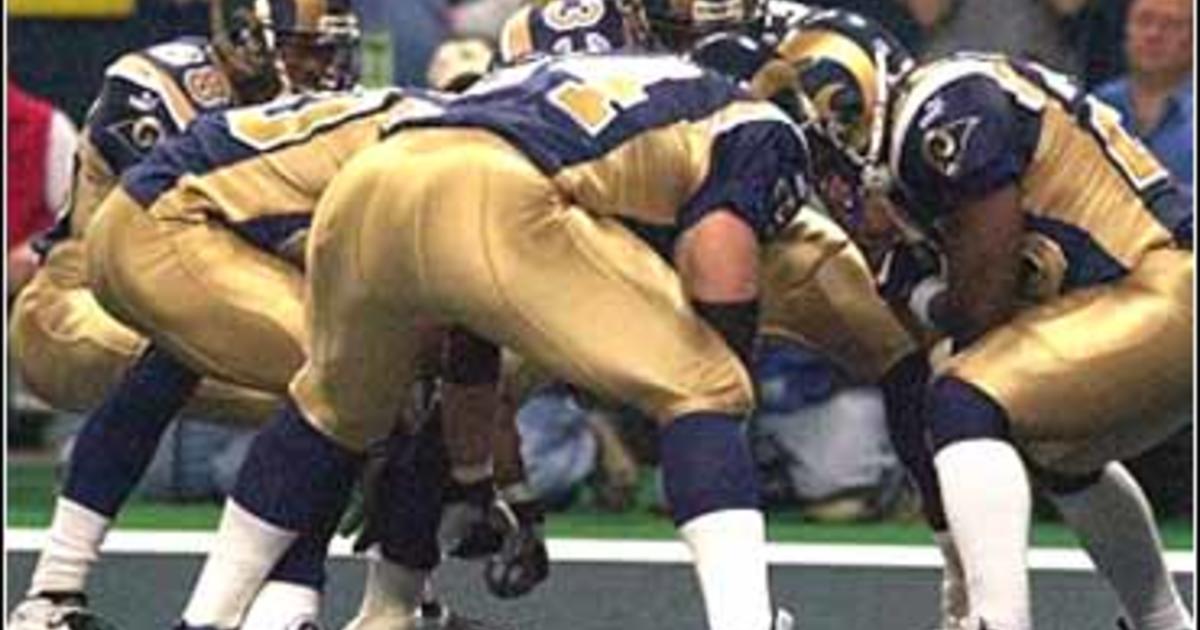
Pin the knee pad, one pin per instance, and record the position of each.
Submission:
(957, 410)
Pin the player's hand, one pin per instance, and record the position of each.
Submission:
(904, 266)
(522, 561)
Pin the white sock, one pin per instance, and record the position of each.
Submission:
(391, 595)
(1113, 520)
(76, 533)
(953, 605)
(281, 605)
(986, 494)
(245, 551)
(729, 552)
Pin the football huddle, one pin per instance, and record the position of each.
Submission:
(627, 195)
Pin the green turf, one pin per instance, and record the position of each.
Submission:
(31, 487)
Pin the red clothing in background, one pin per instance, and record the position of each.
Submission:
(28, 143)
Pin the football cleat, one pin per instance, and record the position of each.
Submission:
(59, 611)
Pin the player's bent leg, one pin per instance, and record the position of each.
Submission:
(1100, 370)
(197, 289)
(295, 482)
(707, 466)
(68, 349)
(1112, 517)
(985, 493)
(300, 470)
(71, 353)
(111, 453)
(500, 252)
(712, 489)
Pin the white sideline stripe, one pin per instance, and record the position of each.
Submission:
(630, 551)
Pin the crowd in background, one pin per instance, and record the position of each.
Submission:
(819, 438)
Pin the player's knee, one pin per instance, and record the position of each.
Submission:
(957, 410)
(729, 392)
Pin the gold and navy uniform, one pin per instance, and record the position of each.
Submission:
(507, 219)
(1103, 346)
(69, 350)
(146, 96)
(817, 286)
(563, 26)
(199, 247)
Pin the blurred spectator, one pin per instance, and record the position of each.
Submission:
(481, 18)
(565, 443)
(820, 442)
(1155, 98)
(416, 27)
(41, 141)
(1031, 28)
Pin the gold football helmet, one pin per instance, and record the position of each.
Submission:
(847, 66)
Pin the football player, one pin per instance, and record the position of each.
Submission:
(404, 488)
(1066, 291)
(69, 349)
(818, 289)
(505, 224)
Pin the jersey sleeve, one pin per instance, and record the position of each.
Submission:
(964, 141)
(759, 170)
(130, 116)
(150, 94)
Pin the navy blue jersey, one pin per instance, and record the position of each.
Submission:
(658, 140)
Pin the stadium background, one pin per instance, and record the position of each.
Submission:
(57, 49)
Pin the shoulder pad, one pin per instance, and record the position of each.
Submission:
(956, 136)
(759, 168)
(152, 93)
(184, 66)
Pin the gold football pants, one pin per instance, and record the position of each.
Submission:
(222, 306)
(818, 290)
(457, 225)
(70, 351)
(1096, 374)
